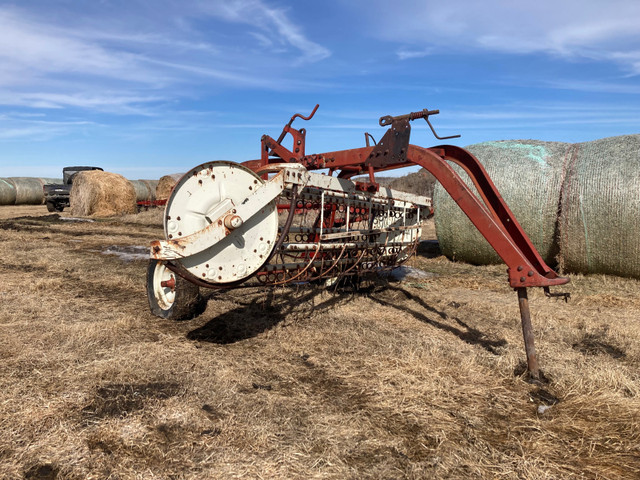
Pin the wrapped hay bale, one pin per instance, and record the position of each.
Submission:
(166, 184)
(7, 192)
(101, 194)
(145, 190)
(528, 175)
(600, 219)
(28, 190)
(23, 190)
(152, 185)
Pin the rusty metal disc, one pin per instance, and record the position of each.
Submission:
(199, 199)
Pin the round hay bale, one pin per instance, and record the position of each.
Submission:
(7, 192)
(528, 175)
(600, 209)
(151, 185)
(166, 184)
(145, 189)
(28, 190)
(101, 194)
(143, 192)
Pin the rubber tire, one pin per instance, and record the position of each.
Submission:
(54, 207)
(187, 303)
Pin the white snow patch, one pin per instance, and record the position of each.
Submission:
(128, 253)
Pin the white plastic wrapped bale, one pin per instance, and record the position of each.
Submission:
(528, 174)
(145, 189)
(600, 219)
(29, 190)
(7, 192)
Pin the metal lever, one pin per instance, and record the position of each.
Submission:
(388, 120)
(424, 113)
(434, 131)
(285, 129)
(368, 136)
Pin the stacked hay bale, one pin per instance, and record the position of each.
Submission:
(7, 192)
(29, 190)
(600, 210)
(152, 185)
(101, 194)
(578, 203)
(528, 175)
(166, 184)
(26, 190)
(145, 189)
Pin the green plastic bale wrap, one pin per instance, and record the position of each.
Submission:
(600, 219)
(28, 190)
(7, 192)
(528, 175)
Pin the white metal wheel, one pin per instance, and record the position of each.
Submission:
(165, 295)
(171, 296)
(202, 196)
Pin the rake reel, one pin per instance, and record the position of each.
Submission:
(276, 220)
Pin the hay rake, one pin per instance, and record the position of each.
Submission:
(276, 220)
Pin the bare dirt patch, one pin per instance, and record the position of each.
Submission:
(412, 379)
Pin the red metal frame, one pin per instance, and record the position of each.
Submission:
(489, 213)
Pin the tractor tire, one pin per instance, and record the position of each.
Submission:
(54, 207)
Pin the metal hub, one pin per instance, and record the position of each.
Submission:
(164, 286)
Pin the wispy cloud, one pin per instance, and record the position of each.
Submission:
(596, 86)
(104, 102)
(269, 21)
(17, 126)
(33, 50)
(169, 71)
(571, 28)
(408, 53)
(70, 61)
(542, 120)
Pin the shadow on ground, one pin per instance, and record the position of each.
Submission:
(262, 313)
(463, 331)
(429, 249)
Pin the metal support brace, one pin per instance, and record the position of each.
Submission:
(527, 333)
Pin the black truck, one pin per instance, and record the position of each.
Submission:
(56, 197)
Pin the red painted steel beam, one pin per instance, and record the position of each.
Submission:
(494, 220)
(489, 213)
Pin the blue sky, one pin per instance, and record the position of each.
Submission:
(146, 88)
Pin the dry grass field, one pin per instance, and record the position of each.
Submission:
(419, 378)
